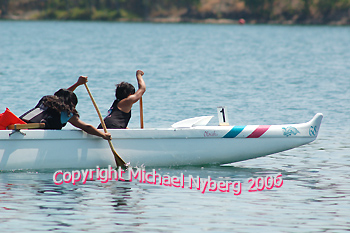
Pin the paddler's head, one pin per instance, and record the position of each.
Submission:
(123, 90)
(67, 96)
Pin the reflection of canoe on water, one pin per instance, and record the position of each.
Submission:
(188, 142)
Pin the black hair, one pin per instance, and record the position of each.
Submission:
(68, 100)
(123, 90)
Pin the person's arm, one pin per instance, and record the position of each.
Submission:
(74, 120)
(81, 80)
(126, 104)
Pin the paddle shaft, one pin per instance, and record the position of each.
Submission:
(141, 113)
(118, 160)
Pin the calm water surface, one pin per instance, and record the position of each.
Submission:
(262, 74)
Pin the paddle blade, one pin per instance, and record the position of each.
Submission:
(119, 161)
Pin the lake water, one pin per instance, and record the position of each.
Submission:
(263, 75)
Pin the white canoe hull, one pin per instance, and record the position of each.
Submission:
(59, 149)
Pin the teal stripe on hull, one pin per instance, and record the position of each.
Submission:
(234, 131)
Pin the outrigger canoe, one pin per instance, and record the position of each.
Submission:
(189, 142)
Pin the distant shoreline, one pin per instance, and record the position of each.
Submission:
(278, 12)
(183, 20)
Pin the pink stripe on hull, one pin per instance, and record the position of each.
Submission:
(259, 131)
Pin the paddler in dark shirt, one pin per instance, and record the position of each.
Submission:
(58, 109)
(120, 112)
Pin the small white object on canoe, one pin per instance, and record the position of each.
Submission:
(189, 142)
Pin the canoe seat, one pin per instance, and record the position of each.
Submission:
(27, 126)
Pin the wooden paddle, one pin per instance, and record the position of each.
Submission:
(141, 113)
(118, 160)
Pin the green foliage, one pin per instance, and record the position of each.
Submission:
(80, 14)
(61, 15)
(105, 15)
(56, 5)
(260, 10)
(127, 15)
(49, 14)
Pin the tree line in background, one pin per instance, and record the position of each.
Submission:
(256, 11)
